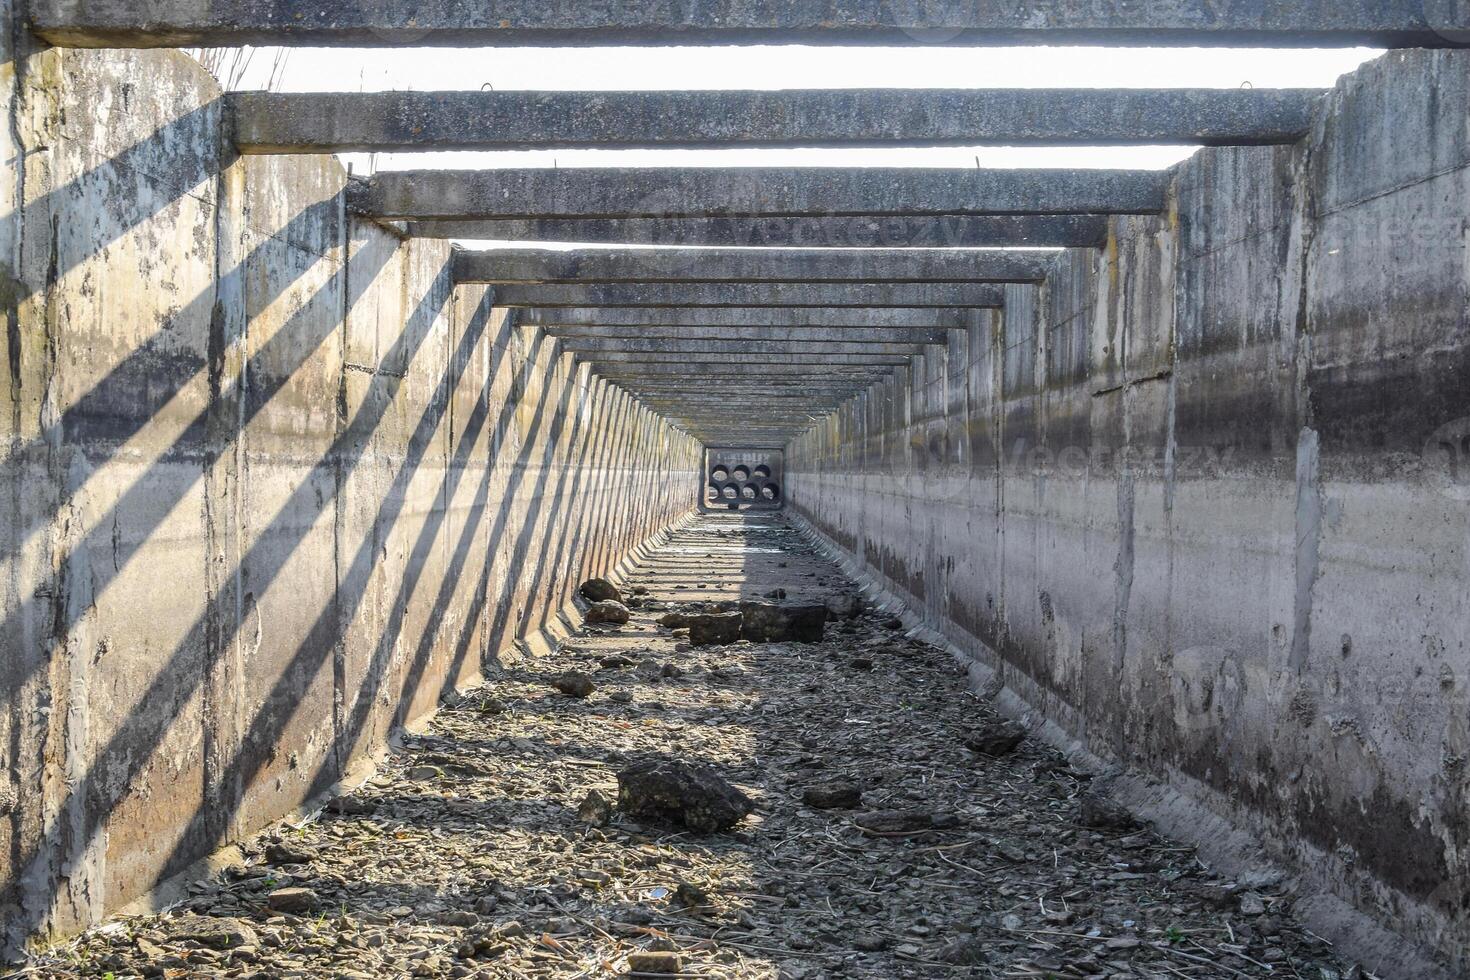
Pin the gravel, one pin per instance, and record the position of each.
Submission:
(490, 846)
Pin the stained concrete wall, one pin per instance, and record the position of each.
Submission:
(1201, 499)
(272, 484)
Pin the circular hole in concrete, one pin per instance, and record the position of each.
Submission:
(730, 493)
(741, 474)
(720, 474)
(768, 492)
(748, 492)
(762, 473)
(712, 492)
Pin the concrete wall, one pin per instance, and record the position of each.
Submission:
(272, 485)
(1201, 500)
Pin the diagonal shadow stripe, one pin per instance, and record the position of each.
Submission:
(93, 796)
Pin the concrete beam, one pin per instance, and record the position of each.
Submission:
(707, 347)
(852, 231)
(741, 336)
(803, 384)
(520, 266)
(886, 318)
(608, 192)
(961, 295)
(373, 122)
(737, 371)
(799, 387)
(224, 23)
(720, 401)
(696, 360)
(821, 402)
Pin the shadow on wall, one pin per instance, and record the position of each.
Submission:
(169, 454)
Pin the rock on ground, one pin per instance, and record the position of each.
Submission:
(600, 590)
(694, 795)
(837, 795)
(766, 622)
(996, 738)
(714, 629)
(608, 613)
(574, 684)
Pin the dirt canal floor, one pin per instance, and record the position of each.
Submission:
(896, 826)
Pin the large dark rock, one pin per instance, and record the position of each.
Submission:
(680, 792)
(296, 901)
(600, 590)
(997, 738)
(574, 684)
(766, 622)
(838, 794)
(608, 613)
(221, 933)
(718, 629)
(1097, 810)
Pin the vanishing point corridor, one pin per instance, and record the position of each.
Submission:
(735, 489)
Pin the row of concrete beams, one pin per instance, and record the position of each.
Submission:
(529, 266)
(223, 23)
(471, 195)
(746, 356)
(821, 295)
(795, 364)
(891, 318)
(267, 122)
(682, 346)
(683, 282)
(819, 231)
(744, 336)
(792, 331)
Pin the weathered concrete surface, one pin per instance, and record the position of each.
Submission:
(572, 336)
(1201, 501)
(672, 346)
(696, 360)
(849, 231)
(692, 295)
(381, 122)
(748, 317)
(525, 266)
(120, 23)
(270, 484)
(750, 192)
(732, 369)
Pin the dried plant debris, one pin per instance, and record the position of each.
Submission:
(899, 828)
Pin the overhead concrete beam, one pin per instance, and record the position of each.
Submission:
(841, 319)
(696, 361)
(521, 266)
(961, 295)
(707, 347)
(608, 192)
(691, 401)
(737, 371)
(802, 387)
(801, 383)
(384, 122)
(849, 231)
(705, 336)
(224, 23)
(822, 402)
